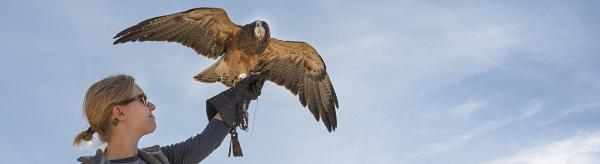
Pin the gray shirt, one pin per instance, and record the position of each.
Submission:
(192, 150)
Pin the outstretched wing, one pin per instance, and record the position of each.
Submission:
(206, 30)
(298, 67)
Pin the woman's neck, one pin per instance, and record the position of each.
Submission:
(121, 145)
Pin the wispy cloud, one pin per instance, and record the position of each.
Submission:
(583, 148)
(527, 111)
(574, 109)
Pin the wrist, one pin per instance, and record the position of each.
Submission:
(217, 117)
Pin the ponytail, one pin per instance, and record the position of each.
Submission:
(84, 136)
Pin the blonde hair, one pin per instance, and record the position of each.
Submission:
(98, 102)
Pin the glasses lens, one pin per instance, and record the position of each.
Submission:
(144, 100)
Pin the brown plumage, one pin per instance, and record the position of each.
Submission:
(242, 50)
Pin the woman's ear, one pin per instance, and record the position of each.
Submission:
(118, 112)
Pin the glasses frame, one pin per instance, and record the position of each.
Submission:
(142, 97)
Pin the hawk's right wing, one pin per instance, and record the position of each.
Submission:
(206, 30)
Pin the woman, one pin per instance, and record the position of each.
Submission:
(119, 112)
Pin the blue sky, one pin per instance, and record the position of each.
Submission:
(417, 81)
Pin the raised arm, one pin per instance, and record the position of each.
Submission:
(224, 114)
(196, 148)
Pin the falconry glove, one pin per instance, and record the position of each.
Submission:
(228, 102)
(232, 105)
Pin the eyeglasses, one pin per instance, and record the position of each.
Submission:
(142, 97)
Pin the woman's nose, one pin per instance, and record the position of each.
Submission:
(151, 106)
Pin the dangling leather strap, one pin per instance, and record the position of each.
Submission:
(234, 145)
(242, 122)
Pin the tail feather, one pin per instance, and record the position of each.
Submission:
(217, 72)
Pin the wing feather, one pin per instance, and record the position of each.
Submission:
(299, 68)
(206, 30)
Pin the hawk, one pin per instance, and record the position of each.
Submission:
(242, 50)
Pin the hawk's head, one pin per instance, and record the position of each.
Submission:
(261, 30)
(254, 37)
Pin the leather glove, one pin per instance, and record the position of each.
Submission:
(232, 103)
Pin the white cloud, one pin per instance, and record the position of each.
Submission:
(584, 148)
(468, 108)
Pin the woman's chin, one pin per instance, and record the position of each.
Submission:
(152, 127)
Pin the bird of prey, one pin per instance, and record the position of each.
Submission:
(242, 50)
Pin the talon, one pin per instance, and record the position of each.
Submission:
(234, 82)
(242, 76)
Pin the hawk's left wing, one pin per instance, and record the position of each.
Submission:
(298, 67)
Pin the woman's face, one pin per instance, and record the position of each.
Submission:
(139, 117)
